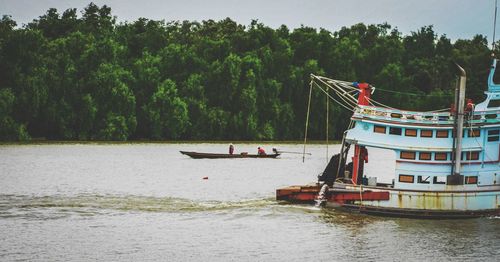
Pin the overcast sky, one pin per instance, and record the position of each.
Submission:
(455, 18)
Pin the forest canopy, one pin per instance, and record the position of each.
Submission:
(83, 76)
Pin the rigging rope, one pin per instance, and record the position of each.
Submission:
(345, 92)
(349, 100)
(338, 89)
(412, 94)
(345, 106)
(380, 104)
(307, 121)
(327, 113)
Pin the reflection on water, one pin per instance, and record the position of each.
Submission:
(148, 202)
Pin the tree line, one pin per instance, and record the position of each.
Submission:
(66, 76)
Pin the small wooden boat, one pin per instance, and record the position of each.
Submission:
(216, 155)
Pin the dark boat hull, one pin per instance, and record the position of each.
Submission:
(198, 155)
(417, 213)
(349, 200)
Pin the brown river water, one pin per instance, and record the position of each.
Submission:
(147, 202)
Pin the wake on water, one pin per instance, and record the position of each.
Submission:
(12, 204)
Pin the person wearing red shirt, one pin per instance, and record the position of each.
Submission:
(261, 151)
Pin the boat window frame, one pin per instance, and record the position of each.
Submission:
(438, 135)
(427, 130)
(469, 154)
(492, 137)
(402, 153)
(411, 130)
(471, 180)
(425, 153)
(406, 176)
(493, 103)
(397, 131)
(376, 127)
(436, 182)
(439, 154)
(423, 181)
(475, 132)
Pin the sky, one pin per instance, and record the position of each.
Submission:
(458, 19)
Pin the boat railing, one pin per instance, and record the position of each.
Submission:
(435, 118)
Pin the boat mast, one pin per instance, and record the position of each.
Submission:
(494, 30)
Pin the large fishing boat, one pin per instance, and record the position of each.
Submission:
(447, 162)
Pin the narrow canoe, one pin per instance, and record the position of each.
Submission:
(215, 155)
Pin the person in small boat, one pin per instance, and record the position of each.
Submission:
(261, 151)
(231, 149)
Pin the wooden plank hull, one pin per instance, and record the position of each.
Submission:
(198, 155)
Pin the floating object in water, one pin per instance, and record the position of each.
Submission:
(205, 177)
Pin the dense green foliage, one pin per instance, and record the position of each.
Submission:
(71, 77)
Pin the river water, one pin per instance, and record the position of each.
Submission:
(147, 202)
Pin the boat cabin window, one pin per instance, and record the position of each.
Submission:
(471, 180)
(442, 133)
(406, 178)
(379, 129)
(424, 156)
(410, 132)
(496, 76)
(441, 156)
(494, 103)
(487, 116)
(439, 180)
(407, 155)
(474, 133)
(472, 155)
(395, 131)
(454, 134)
(424, 179)
(426, 133)
(493, 135)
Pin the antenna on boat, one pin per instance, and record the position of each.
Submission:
(494, 30)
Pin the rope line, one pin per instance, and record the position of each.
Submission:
(307, 121)
(327, 124)
(413, 94)
(345, 106)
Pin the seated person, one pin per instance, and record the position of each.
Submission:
(261, 151)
